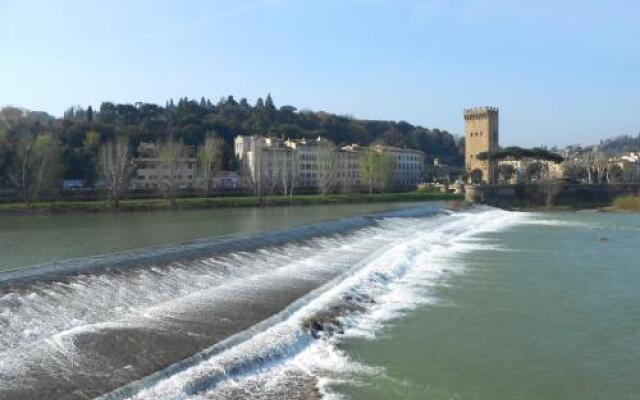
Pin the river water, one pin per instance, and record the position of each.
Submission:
(420, 302)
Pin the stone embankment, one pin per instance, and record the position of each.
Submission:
(549, 194)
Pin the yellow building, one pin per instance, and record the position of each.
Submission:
(481, 135)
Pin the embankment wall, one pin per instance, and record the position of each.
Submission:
(543, 195)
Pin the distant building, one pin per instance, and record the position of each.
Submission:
(70, 184)
(267, 162)
(409, 165)
(629, 165)
(302, 162)
(481, 135)
(149, 173)
(436, 171)
(225, 180)
(547, 169)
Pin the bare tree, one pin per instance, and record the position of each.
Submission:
(575, 171)
(347, 174)
(600, 163)
(251, 169)
(114, 161)
(256, 165)
(210, 159)
(290, 173)
(551, 188)
(327, 166)
(36, 165)
(534, 171)
(173, 164)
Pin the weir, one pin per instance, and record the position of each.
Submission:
(89, 333)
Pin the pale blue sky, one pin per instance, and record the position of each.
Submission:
(562, 72)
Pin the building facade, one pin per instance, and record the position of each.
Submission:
(408, 165)
(481, 135)
(318, 163)
(149, 173)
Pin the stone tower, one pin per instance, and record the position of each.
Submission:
(481, 135)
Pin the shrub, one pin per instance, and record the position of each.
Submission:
(627, 203)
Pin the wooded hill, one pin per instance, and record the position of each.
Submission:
(77, 136)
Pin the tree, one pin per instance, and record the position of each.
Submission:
(290, 173)
(348, 178)
(368, 168)
(173, 164)
(36, 165)
(575, 171)
(385, 168)
(251, 169)
(475, 176)
(210, 158)
(506, 172)
(114, 160)
(327, 166)
(551, 188)
(377, 169)
(534, 171)
(615, 174)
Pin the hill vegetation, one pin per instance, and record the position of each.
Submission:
(621, 144)
(69, 145)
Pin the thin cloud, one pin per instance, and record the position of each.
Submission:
(218, 16)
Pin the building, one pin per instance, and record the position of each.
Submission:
(481, 136)
(319, 164)
(628, 166)
(225, 180)
(521, 168)
(408, 165)
(149, 173)
(269, 164)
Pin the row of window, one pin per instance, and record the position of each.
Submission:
(154, 177)
(409, 157)
(153, 166)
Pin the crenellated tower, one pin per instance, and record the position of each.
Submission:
(481, 135)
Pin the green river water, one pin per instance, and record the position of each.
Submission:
(31, 240)
(546, 307)
(550, 310)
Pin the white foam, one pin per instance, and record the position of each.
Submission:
(415, 256)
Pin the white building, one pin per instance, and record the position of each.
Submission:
(309, 164)
(270, 165)
(409, 165)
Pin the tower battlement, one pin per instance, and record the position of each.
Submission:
(479, 112)
(481, 136)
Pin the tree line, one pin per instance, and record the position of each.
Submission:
(41, 150)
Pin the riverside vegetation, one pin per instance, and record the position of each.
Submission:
(38, 151)
(157, 204)
(627, 203)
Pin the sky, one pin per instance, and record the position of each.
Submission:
(561, 72)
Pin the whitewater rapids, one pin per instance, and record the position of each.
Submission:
(257, 317)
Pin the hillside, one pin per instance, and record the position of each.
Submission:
(80, 131)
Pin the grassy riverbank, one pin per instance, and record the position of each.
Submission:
(627, 203)
(219, 202)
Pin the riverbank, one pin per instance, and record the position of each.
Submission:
(626, 203)
(219, 202)
(557, 196)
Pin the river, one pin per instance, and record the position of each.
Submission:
(418, 301)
